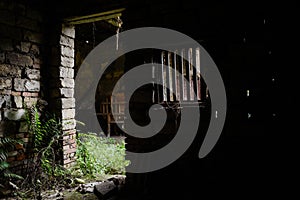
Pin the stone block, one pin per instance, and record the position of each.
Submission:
(32, 85)
(68, 113)
(5, 92)
(33, 37)
(33, 74)
(67, 51)
(105, 190)
(68, 30)
(14, 114)
(67, 82)
(9, 70)
(25, 47)
(19, 59)
(35, 49)
(68, 124)
(30, 101)
(67, 61)
(19, 84)
(67, 102)
(66, 41)
(66, 72)
(66, 92)
(5, 83)
(18, 101)
(30, 94)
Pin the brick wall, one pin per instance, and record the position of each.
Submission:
(36, 62)
(61, 86)
(21, 46)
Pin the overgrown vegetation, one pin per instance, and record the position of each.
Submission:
(45, 171)
(96, 157)
(5, 174)
(99, 156)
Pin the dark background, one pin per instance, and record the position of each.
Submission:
(250, 43)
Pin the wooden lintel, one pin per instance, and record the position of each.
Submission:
(94, 17)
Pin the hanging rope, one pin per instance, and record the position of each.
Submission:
(119, 24)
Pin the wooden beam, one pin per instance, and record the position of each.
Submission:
(95, 17)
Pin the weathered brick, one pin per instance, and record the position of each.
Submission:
(25, 47)
(33, 37)
(33, 74)
(68, 124)
(67, 82)
(9, 70)
(67, 41)
(68, 30)
(69, 150)
(35, 50)
(5, 92)
(14, 114)
(30, 94)
(14, 93)
(70, 133)
(32, 85)
(67, 51)
(3, 99)
(30, 101)
(66, 92)
(18, 101)
(67, 61)
(68, 113)
(26, 85)
(19, 59)
(19, 84)
(5, 83)
(66, 72)
(67, 102)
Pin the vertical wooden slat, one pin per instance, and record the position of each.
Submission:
(176, 86)
(190, 75)
(184, 75)
(170, 77)
(163, 75)
(198, 73)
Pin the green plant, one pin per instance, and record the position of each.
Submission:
(46, 134)
(44, 165)
(5, 174)
(99, 155)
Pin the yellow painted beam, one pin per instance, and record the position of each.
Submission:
(95, 17)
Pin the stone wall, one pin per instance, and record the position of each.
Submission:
(36, 62)
(61, 87)
(21, 60)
